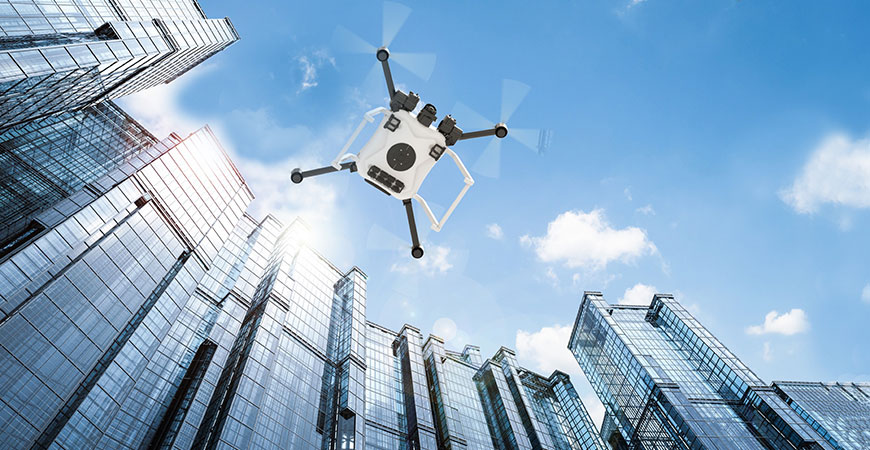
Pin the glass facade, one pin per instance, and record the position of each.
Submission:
(667, 383)
(61, 55)
(146, 309)
(840, 412)
(49, 159)
(496, 404)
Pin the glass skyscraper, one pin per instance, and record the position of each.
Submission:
(667, 383)
(147, 309)
(51, 158)
(62, 55)
(840, 412)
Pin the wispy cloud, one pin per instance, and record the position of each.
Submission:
(646, 210)
(494, 231)
(865, 293)
(767, 352)
(837, 172)
(437, 260)
(309, 64)
(579, 239)
(790, 323)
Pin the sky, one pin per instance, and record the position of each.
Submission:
(718, 151)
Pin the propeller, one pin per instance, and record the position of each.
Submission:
(395, 16)
(512, 95)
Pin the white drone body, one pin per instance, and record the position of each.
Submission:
(402, 151)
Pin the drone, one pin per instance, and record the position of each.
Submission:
(402, 151)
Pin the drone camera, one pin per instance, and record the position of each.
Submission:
(427, 115)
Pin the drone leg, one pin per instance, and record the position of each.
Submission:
(416, 250)
(297, 175)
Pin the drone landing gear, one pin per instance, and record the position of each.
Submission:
(297, 175)
(416, 250)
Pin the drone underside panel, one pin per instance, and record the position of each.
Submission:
(400, 154)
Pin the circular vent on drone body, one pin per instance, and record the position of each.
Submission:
(401, 157)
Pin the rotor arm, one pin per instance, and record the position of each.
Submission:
(500, 130)
(297, 175)
(383, 56)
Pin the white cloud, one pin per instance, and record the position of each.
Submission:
(865, 294)
(158, 109)
(595, 408)
(767, 353)
(838, 172)
(627, 193)
(546, 350)
(586, 240)
(259, 133)
(309, 65)
(436, 260)
(639, 294)
(792, 322)
(494, 231)
(646, 210)
(313, 200)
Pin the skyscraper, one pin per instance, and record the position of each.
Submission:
(48, 159)
(667, 383)
(58, 56)
(148, 310)
(840, 412)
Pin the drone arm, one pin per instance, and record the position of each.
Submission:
(499, 130)
(389, 76)
(383, 56)
(477, 134)
(436, 224)
(342, 154)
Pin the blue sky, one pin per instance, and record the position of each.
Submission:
(715, 150)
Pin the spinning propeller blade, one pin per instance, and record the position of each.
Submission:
(533, 139)
(420, 64)
(350, 42)
(469, 119)
(395, 15)
(512, 94)
(489, 162)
